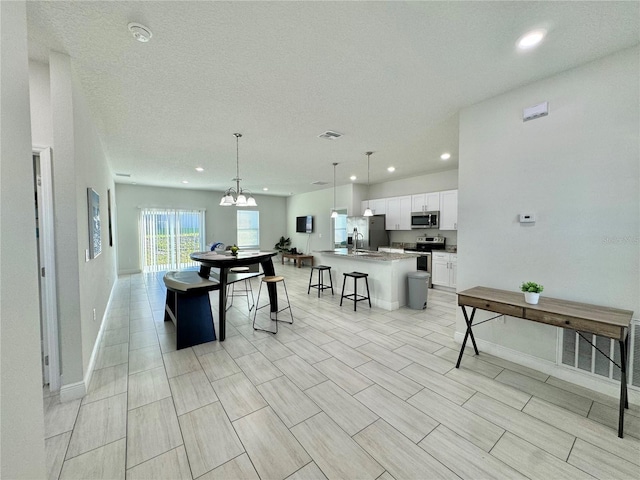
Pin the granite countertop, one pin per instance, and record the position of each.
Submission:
(368, 255)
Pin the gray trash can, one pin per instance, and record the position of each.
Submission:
(418, 288)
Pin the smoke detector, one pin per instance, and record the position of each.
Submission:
(330, 135)
(140, 32)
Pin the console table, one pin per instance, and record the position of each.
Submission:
(581, 317)
(299, 257)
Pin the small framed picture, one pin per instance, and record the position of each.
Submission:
(95, 241)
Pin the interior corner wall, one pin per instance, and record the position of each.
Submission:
(220, 222)
(62, 120)
(22, 453)
(97, 276)
(577, 170)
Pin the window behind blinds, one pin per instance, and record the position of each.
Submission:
(168, 236)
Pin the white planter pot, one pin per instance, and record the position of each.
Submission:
(531, 297)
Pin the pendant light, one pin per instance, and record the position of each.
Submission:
(334, 212)
(236, 196)
(368, 212)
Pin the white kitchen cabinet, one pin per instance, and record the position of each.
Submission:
(444, 269)
(449, 210)
(377, 205)
(425, 202)
(398, 213)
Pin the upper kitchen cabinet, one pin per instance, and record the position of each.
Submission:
(425, 202)
(449, 210)
(399, 213)
(378, 206)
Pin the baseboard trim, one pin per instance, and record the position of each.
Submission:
(583, 379)
(73, 391)
(96, 346)
(129, 272)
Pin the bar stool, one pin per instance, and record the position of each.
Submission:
(272, 280)
(355, 296)
(240, 292)
(320, 285)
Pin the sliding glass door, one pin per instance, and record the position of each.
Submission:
(168, 236)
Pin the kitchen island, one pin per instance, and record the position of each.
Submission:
(388, 285)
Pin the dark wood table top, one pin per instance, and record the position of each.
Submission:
(605, 321)
(224, 260)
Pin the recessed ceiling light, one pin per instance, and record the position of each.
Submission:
(199, 169)
(391, 169)
(352, 178)
(265, 189)
(140, 32)
(445, 156)
(185, 181)
(531, 39)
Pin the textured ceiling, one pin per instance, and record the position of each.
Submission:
(390, 76)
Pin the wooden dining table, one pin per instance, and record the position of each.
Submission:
(225, 261)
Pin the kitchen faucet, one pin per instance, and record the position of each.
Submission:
(355, 239)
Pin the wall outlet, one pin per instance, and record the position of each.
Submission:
(94, 314)
(319, 235)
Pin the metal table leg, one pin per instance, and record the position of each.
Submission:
(468, 333)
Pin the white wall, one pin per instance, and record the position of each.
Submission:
(319, 205)
(432, 182)
(577, 170)
(62, 120)
(21, 415)
(220, 222)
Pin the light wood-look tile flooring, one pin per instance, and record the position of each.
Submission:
(339, 395)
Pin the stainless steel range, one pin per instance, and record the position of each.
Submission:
(424, 247)
(428, 244)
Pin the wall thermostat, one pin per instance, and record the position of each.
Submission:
(527, 218)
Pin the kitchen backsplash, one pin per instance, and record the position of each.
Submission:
(410, 236)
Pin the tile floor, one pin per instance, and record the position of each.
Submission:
(338, 395)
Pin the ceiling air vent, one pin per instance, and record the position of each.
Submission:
(319, 182)
(330, 135)
(123, 174)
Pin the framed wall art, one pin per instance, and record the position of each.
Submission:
(95, 242)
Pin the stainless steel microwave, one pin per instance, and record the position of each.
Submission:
(425, 219)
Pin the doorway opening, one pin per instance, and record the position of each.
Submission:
(44, 232)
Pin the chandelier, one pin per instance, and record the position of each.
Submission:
(236, 196)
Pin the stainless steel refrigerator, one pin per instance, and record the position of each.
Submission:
(370, 231)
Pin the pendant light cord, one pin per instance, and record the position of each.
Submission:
(237, 135)
(368, 193)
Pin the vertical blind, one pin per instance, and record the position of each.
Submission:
(168, 236)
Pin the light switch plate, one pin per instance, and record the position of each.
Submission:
(527, 218)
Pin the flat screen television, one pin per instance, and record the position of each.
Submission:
(304, 224)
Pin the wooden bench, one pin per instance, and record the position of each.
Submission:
(297, 257)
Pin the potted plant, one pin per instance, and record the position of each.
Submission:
(234, 250)
(283, 245)
(531, 291)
